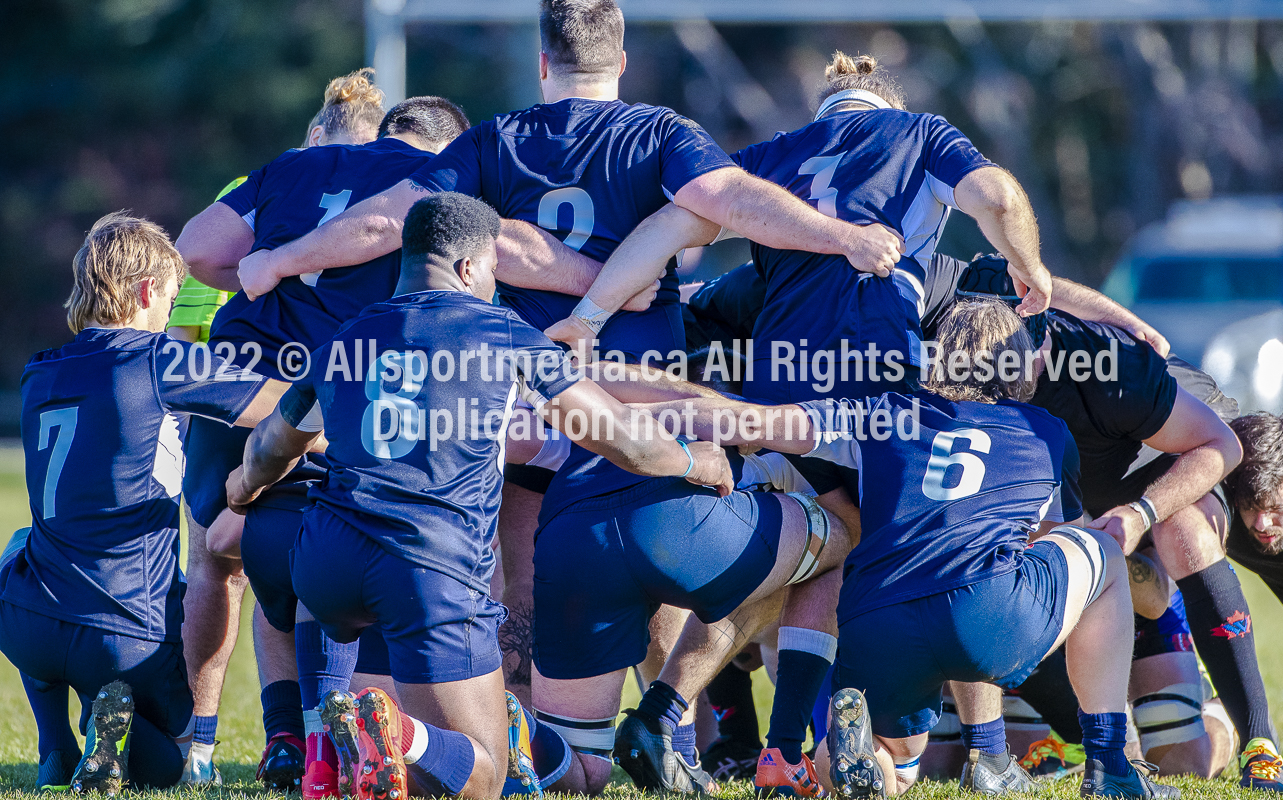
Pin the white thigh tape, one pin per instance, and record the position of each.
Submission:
(817, 535)
(594, 737)
(1091, 548)
(1172, 715)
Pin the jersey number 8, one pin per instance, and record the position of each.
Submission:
(406, 421)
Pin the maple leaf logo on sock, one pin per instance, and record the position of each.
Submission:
(1238, 625)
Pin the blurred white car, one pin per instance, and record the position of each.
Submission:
(1209, 263)
(1246, 359)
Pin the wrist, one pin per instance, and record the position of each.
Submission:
(591, 315)
(690, 457)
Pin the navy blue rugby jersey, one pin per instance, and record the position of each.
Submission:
(949, 502)
(288, 198)
(104, 467)
(589, 171)
(416, 448)
(883, 165)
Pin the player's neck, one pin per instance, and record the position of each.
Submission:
(556, 89)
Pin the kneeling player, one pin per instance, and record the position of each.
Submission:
(93, 598)
(943, 564)
(401, 532)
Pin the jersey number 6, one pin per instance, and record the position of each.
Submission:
(942, 458)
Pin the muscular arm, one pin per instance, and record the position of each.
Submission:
(718, 419)
(532, 258)
(212, 243)
(271, 452)
(1091, 305)
(655, 454)
(261, 407)
(367, 230)
(994, 199)
(770, 215)
(1208, 451)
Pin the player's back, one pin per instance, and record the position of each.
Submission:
(879, 166)
(104, 467)
(416, 443)
(953, 500)
(286, 199)
(589, 171)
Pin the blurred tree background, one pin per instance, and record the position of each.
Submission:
(153, 105)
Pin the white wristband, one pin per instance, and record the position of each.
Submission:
(592, 315)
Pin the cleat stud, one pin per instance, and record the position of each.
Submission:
(76, 787)
(525, 780)
(125, 699)
(367, 769)
(102, 695)
(91, 766)
(394, 794)
(387, 760)
(115, 772)
(866, 762)
(877, 786)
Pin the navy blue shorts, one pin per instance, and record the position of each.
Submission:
(437, 629)
(995, 631)
(271, 532)
(213, 450)
(605, 564)
(55, 651)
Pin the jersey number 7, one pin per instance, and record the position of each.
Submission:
(64, 419)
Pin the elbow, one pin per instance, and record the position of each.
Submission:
(1231, 454)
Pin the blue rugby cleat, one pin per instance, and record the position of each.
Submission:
(1099, 783)
(853, 762)
(105, 767)
(522, 778)
(1261, 766)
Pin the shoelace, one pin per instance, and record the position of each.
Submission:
(1263, 769)
(1042, 750)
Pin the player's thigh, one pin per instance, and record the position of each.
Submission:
(270, 535)
(328, 570)
(1086, 553)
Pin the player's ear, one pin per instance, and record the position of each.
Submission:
(466, 271)
(623, 61)
(543, 66)
(148, 292)
(315, 135)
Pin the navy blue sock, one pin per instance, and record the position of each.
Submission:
(283, 709)
(662, 702)
(799, 680)
(684, 742)
(1104, 736)
(324, 665)
(989, 738)
(548, 751)
(49, 704)
(448, 759)
(206, 729)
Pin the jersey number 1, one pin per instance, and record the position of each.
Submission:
(943, 457)
(334, 204)
(824, 195)
(64, 419)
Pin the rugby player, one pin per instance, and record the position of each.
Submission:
(977, 605)
(93, 598)
(280, 202)
(1153, 453)
(402, 529)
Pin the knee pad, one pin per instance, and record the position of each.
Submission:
(1172, 715)
(817, 536)
(949, 729)
(590, 737)
(1018, 715)
(1091, 548)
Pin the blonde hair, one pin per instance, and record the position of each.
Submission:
(119, 252)
(861, 72)
(985, 331)
(353, 105)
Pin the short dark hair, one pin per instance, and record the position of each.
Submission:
(434, 119)
(1259, 476)
(582, 36)
(450, 225)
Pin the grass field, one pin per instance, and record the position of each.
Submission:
(240, 731)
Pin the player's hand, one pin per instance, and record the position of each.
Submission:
(239, 496)
(874, 248)
(642, 300)
(575, 332)
(256, 274)
(1145, 333)
(711, 468)
(1124, 523)
(1034, 290)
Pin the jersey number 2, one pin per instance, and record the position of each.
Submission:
(64, 419)
(583, 215)
(942, 458)
(334, 204)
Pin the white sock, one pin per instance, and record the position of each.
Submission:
(419, 744)
(202, 753)
(810, 641)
